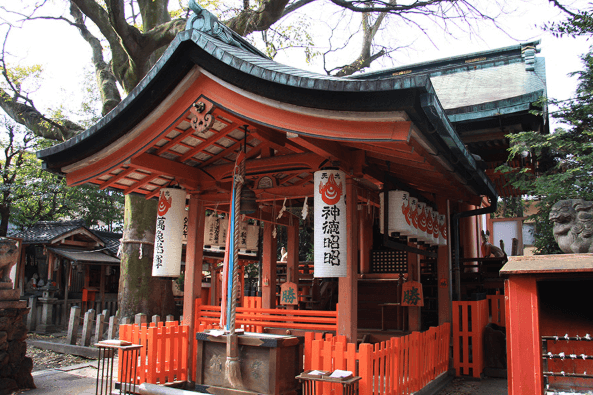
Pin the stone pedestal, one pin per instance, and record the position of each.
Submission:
(15, 368)
(47, 306)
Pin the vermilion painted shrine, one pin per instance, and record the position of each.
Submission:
(435, 130)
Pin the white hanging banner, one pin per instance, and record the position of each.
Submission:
(169, 232)
(185, 227)
(329, 199)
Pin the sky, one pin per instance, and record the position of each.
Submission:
(65, 56)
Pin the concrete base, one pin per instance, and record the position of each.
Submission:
(86, 352)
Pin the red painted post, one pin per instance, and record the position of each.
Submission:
(193, 272)
(269, 258)
(365, 369)
(524, 348)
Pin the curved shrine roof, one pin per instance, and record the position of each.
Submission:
(397, 121)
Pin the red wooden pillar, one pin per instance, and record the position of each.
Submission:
(366, 239)
(192, 285)
(292, 262)
(348, 286)
(269, 258)
(414, 323)
(524, 348)
(469, 233)
(444, 270)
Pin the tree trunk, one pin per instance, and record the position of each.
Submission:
(4, 216)
(139, 292)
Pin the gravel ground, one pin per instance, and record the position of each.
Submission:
(45, 359)
(488, 386)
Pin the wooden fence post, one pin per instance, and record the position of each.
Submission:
(87, 327)
(365, 368)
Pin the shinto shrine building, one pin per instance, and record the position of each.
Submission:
(436, 130)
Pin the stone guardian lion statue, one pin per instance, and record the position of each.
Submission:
(573, 225)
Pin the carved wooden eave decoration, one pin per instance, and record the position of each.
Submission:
(205, 100)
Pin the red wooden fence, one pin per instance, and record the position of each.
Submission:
(469, 320)
(401, 365)
(254, 319)
(163, 359)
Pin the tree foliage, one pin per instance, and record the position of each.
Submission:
(564, 158)
(28, 194)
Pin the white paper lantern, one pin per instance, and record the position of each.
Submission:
(169, 233)
(442, 230)
(422, 235)
(399, 213)
(429, 230)
(435, 228)
(414, 217)
(329, 199)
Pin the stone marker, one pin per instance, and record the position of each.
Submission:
(87, 327)
(73, 325)
(140, 318)
(99, 328)
(113, 327)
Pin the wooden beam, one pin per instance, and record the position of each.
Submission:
(162, 166)
(141, 183)
(208, 142)
(273, 165)
(327, 149)
(114, 179)
(278, 140)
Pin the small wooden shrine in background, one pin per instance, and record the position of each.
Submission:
(80, 265)
(549, 323)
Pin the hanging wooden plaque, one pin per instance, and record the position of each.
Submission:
(412, 294)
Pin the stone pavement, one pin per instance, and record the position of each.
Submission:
(71, 380)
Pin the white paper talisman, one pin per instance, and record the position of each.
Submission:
(329, 198)
(252, 237)
(169, 232)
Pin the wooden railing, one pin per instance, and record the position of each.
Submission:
(401, 365)
(255, 319)
(163, 357)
